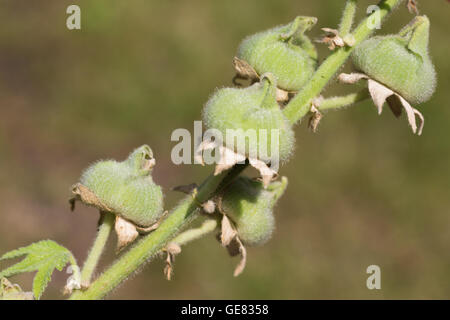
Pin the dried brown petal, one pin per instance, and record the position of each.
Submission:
(282, 95)
(229, 238)
(333, 39)
(241, 265)
(168, 269)
(228, 232)
(204, 145)
(381, 94)
(126, 233)
(351, 78)
(172, 250)
(316, 116)
(209, 207)
(244, 70)
(412, 6)
(83, 194)
(266, 172)
(228, 158)
(412, 113)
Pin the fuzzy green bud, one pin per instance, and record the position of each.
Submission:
(284, 51)
(253, 108)
(250, 207)
(127, 187)
(400, 62)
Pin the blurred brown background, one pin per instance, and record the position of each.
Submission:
(363, 190)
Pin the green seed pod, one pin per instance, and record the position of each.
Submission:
(251, 108)
(250, 206)
(401, 62)
(284, 51)
(127, 187)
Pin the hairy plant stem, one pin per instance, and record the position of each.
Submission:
(300, 105)
(104, 230)
(186, 211)
(151, 244)
(347, 18)
(344, 101)
(208, 226)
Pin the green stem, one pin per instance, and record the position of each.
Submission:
(301, 103)
(97, 248)
(344, 101)
(151, 244)
(347, 18)
(187, 236)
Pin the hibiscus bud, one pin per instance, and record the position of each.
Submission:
(250, 207)
(255, 119)
(284, 51)
(127, 187)
(400, 62)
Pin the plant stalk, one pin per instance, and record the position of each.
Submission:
(347, 18)
(344, 101)
(187, 236)
(96, 251)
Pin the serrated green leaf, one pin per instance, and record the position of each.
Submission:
(42, 278)
(44, 257)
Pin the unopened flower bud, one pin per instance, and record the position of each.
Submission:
(252, 112)
(284, 51)
(401, 62)
(127, 187)
(250, 207)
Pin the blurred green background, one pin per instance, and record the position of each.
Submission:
(363, 190)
